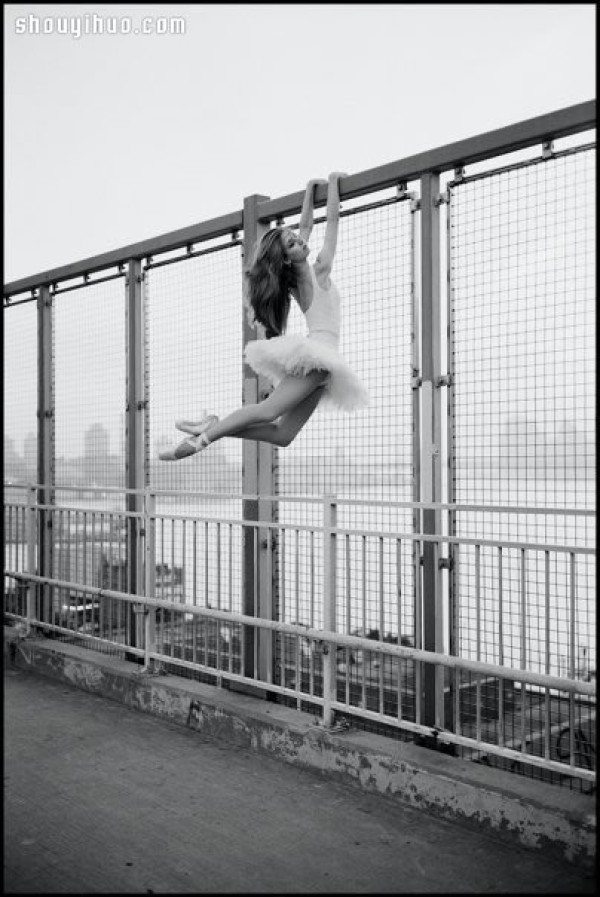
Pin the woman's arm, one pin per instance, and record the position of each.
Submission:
(324, 262)
(306, 218)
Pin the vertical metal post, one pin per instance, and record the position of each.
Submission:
(431, 479)
(45, 446)
(257, 478)
(135, 411)
(31, 536)
(454, 571)
(416, 444)
(150, 578)
(329, 608)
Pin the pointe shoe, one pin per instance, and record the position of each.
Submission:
(190, 446)
(195, 428)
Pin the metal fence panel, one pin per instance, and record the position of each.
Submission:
(521, 427)
(366, 455)
(89, 373)
(20, 395)
(522, 355)
(193, 312)
(89, 387)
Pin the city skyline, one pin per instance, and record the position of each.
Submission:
(523, 442)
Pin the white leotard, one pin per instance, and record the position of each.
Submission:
(323, 316)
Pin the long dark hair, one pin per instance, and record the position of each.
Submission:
(270, 280)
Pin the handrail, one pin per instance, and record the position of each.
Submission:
(194, 233)
(572, 686)
(431, 538)
(553, 125)
(312, 499)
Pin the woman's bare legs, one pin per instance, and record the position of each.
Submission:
(284, 430)
(285, 405)
(292, 401)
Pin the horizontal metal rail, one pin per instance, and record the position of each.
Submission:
(190, 254)
(8, 301)
(195, 233)
(442, 735)
(88, 283)
(542, 128)
(84, 636)
(475, 744)
(504, 169)
(572, 686)
(313, 499)
(342, 531)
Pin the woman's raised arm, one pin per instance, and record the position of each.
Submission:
(324, 262)
(306, 218)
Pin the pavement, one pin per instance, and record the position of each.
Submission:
(100, 798)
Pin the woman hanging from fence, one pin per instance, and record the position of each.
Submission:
(303, 369)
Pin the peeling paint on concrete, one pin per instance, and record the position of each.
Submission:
(82, 676)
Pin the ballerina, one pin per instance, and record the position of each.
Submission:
(304, 370)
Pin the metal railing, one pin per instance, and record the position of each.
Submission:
(187, 616)
(473, 558)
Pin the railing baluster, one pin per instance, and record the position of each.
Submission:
(242, 627)
(255, 573)
(329, 609)
(417, 553)
(218, 626)
(547, 653)
(364, 620)
(63, 595)
(184, 623)
(172, 613)
(282, 598)
(572, 669)
(523, 645)
(348, 616)
(205, 622)
(194, 589)
(381, 624)
(149, 507)
(478, 639)
(500, 650)
(297, 639)
(31, 540)
(76, 534)
(399, 618)
(230, 575)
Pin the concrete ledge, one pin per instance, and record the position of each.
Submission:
(521, 810)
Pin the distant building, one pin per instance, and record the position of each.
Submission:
(97, 441)
(30, 455)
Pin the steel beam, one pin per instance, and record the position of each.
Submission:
(431, 479)
(45, 444)
(509, 139)
(135, 419)
(541, 129)
(195, 233)
(257, 477)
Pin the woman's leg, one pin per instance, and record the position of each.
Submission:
(285, 399)
(259, 420)
(284, 430)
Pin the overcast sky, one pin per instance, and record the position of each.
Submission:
(110, 139)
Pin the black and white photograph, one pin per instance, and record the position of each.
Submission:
(300, 448)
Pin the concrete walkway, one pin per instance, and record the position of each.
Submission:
(100, 798)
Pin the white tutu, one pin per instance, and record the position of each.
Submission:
(297, 355)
